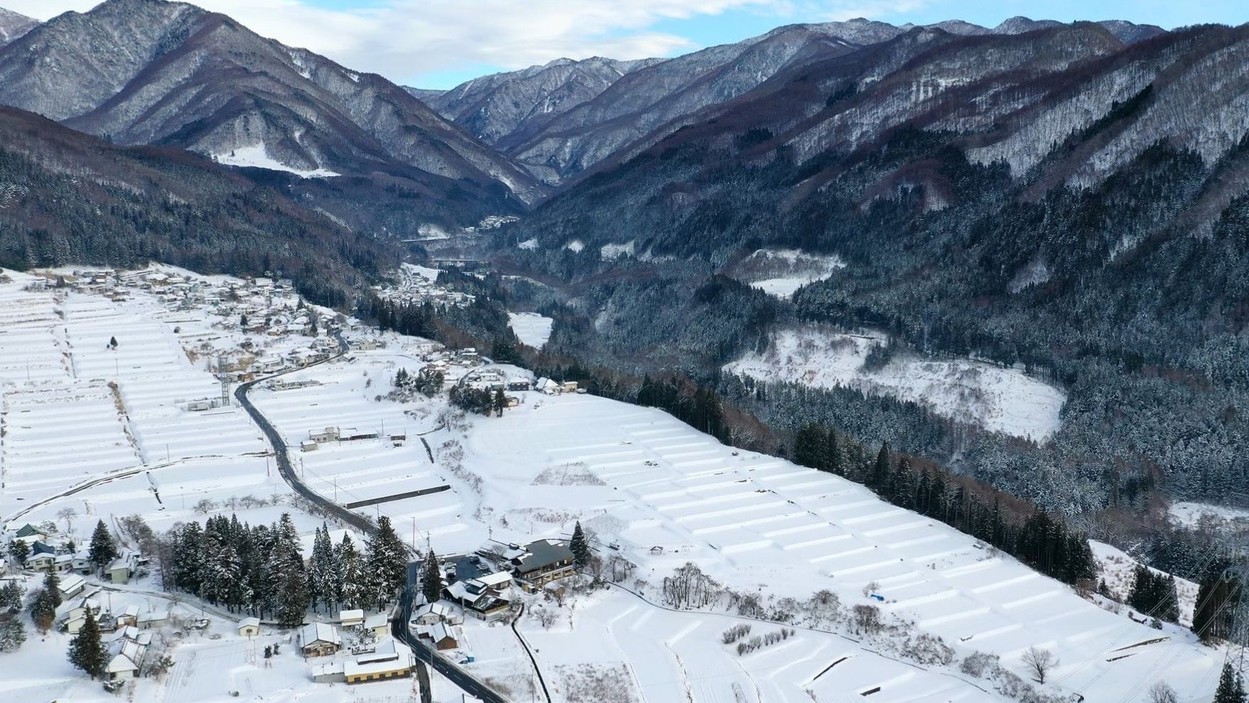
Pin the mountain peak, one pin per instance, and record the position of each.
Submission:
(13, 25)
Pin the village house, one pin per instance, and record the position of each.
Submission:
(71, 585)
(121, 668)
(29, 534)
(442, 636)
(543, 561)
(351, 618)
(480, 600)
(381, 660)
(319, 639)
(434, 613)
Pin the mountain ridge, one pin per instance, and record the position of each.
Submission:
(156, 72)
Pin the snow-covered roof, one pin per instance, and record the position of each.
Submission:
(121, 663)
(376, 621)
(319, 632)
(438, 609)
(249, 622)
(351, 617)
(439, 632)
(498, 578)
(388, 655)
(72, 582)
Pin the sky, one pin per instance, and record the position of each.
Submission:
(441, 43)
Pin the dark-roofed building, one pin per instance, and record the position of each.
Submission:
(543, 561)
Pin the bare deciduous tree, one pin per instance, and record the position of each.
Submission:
(68, 515)
(1039, 661)
(1162, 692)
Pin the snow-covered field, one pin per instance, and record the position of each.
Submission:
(1188, 513)
(996, 398)
(756, 523)
(530, 327)
(781, 272)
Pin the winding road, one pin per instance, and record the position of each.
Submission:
(399, 626)
(285, 469)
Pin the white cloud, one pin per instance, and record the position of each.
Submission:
(405, 38)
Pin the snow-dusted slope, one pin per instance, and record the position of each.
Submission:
(150, 71)
(13, 25)
(998, 399)
(781, 272)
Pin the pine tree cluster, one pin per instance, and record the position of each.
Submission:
(1214, 614)
(260, 570)
(1041, 540)
(1154, 594)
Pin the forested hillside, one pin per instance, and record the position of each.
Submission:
(67, 198)
(1077, 206)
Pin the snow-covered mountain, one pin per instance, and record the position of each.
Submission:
(496, 107)
(564, 117)
(156, 72)
(13, 25)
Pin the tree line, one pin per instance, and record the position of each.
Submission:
(1035, 537)
(260, 570)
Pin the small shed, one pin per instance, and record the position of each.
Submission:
(71, 585)
(319, 639)
(442, 636)
(249, 627)
(120, 668)
(119, 571)
(378, 624)
(351, 618)
(152, 618)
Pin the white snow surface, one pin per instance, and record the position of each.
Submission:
(530, 327)
(528, 245)
(781, 272)
(999, 399)
(257, 156)
(608, 252)
(429, 274)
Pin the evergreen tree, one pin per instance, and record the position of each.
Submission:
(498, 402)
(809, 447)
(12, 634)
(348, 576)
(19, 550)
(103, 551)
(292, 598)
(579, 546)
(1231, 688)
(52, 586)
(86, 649)
(288, 569)
(42, 611)
(321, 570)
(387, 562)
(880, 470)
(11, 596)
(431, 579)
(1212, 617)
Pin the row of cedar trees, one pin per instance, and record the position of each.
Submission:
(1039, 540)
(259, 569)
